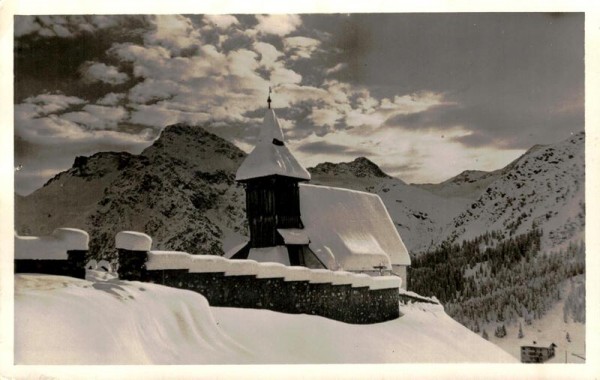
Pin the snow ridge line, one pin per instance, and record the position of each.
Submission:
(170, 260)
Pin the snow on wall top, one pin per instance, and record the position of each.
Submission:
(162, 260)
(133, 241)
(53, 247)
(168, 260)
(271, 156)
(354, 226)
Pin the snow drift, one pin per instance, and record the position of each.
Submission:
(63, 320)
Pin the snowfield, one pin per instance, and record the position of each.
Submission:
(63, 320)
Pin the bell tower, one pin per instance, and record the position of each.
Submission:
(270, 174)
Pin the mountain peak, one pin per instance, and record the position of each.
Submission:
(361, 167)
(196, 146)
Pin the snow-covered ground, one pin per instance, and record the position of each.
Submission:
(62, 320)
(549, 329)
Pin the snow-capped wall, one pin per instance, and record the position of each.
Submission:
(133, 241)
(62, 253)
(169, 260)
(339, 295)
(53, 247)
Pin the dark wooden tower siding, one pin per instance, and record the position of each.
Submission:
(271, 202)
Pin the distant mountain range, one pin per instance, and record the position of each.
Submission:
(181, 191)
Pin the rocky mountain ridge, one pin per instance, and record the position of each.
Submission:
(181, 191)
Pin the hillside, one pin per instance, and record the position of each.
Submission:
(187, 173)
(468, 184)
(544, 189)
(120, 322)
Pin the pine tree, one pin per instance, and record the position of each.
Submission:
(485, 335)
(568, 337)
(520, 336)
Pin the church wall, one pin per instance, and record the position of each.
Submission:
(357, 304)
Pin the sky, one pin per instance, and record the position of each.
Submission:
(425, 96)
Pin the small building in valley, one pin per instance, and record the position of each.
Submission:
(293, 223)
(537, 353)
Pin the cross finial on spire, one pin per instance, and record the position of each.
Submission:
(269, 98)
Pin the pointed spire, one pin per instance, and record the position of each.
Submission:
(271, 156)
(269, 98)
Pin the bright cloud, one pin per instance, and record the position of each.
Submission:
(160, 116)
(174, 32)
(222, 22)
(48, 103)
(268, 53)
(97, 117)
(280, 25)
(300, 47)
(397, 150)
(100, 72)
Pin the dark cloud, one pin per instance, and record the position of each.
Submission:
(491, 124)
(322, 147)
(401, 169)
(45, 64)
(237, 40)
(510, 74)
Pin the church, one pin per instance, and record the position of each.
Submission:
(297, 224)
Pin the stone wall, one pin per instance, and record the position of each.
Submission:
(338, 295)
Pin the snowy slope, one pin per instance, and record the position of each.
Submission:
(121, 322)
(468, 184)
(551, 328)
(543, 188)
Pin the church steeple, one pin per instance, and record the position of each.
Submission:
(271, 157)
(270, 174)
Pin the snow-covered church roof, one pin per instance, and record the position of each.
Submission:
(352, 226)
(271, 156)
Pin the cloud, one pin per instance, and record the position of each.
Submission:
(488, 125)
(111, 99)
(268, 54)
(174, 32)
(280, 25)
(300, 47)
(324, 147)
(156, 62)
(130, 52)
(97, 117)
(26, 25)
(99, 72)
(221, 22)
(160, 116)
(44, 104)
(152, 90)
(337, 68)
(71, 26)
